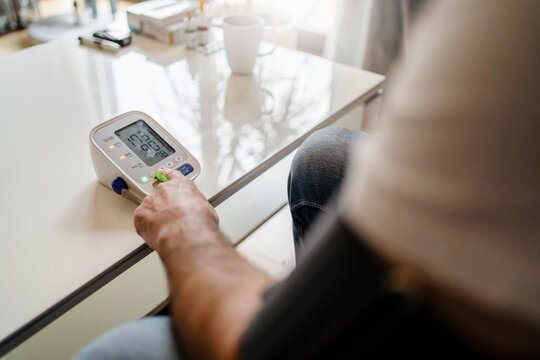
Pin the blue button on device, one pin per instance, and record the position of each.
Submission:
(118, 185)
(185, 169)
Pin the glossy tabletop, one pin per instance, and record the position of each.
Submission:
(64, 234)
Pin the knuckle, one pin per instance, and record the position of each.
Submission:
(138, 218)
(145, 203)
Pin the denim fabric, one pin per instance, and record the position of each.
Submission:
(150, 338)
(316, 175)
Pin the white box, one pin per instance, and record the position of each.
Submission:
(134, 12)
(172, 34)
(166, 15)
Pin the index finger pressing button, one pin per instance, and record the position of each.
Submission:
(161, 177)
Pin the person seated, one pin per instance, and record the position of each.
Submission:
(421, 239)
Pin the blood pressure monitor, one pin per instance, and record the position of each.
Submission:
(131, 149)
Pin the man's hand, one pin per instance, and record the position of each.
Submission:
(215, 293)
(176, 212)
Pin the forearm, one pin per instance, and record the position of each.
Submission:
(215, 293)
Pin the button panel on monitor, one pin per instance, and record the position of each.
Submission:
(185, 169)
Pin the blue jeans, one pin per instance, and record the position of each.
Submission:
(150, 338)
(316, 174)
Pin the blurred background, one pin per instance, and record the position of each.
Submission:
(18, 17)
(363, 33)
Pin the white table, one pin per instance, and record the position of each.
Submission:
(63, 234)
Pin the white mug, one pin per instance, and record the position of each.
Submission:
(242, 35)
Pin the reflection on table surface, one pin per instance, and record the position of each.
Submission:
(229, 122)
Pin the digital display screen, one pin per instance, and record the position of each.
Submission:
(144, 142)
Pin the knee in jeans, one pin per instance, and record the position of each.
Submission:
(323, 148)
(316, 174)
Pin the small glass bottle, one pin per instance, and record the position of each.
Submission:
(190, 34)
(203, 30)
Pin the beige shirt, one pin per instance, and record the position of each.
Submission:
(450, 183)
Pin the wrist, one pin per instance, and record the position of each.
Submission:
(183, 239)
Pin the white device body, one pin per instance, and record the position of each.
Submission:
(114, 158)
